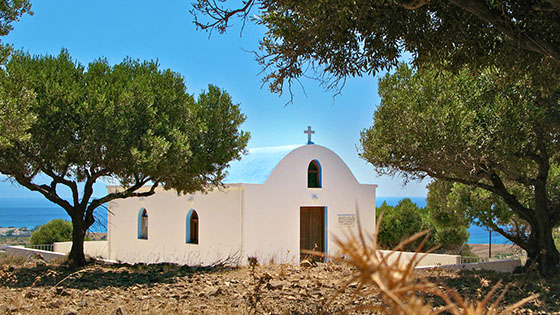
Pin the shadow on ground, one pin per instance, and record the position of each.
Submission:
(95, 276)
(476, 284)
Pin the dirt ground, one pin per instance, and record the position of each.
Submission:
(33, 287)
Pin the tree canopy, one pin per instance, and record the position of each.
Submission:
(398, 223)
(477, 205)
(13, 115)
(474, 131)
(333, 40)
(10, 11)
(130, 123)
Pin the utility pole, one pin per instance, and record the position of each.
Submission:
(489, 244)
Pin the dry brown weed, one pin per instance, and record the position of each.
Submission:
(396, 283)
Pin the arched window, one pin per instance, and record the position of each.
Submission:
(314, 174)
(192, 227)
(143, 224)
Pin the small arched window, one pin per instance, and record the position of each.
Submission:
(314, 174)
(192, 227)
(143, 224)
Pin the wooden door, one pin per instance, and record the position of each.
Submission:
(312, 230)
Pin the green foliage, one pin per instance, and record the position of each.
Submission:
(10, 12)
(131, 123)
(451, 222)
(399, 223)
(406, 219)
(15, 111)
(57, 230)
(15, 117)
(482, 208)
(458, 127)
(337, 39)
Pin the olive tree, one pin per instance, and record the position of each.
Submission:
(131, 123)
(460, 128)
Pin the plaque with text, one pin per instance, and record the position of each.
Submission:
(347, 220)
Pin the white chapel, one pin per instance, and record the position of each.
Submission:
(277, 201)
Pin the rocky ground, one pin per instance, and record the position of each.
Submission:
(33, 287)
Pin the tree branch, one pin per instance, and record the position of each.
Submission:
(524, 40)
(45, 190)
(220, 16)
(549, 5)
(129, 192)
(516, 239)
(90, 181)
(498, 189)
(57, 179)
(412, 4)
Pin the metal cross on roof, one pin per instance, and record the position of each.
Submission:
(309, 132)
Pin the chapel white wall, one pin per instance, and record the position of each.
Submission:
(272, 210)
(219, 227)
(269, 214)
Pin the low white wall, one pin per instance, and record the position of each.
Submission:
(28, 252)
(91, 248)
(424, 259)
(496, 265)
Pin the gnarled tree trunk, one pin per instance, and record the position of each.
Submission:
(541, 250)
(77, 258)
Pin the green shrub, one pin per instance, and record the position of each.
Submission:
(57, 230)
(399, 223)
(447, 231)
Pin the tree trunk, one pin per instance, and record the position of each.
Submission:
(76, 258)
(544, 258)
(541, 252)
(545, 254)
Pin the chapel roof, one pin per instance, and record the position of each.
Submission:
(257, 165)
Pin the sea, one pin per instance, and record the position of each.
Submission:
(31, 212)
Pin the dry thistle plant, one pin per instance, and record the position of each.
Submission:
(395, 282)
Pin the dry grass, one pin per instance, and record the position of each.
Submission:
(280, 289)
(397, 285)
(10, 260)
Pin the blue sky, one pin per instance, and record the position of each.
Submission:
(165, 31)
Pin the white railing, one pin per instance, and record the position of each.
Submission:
(47, 247)
(472, 259)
